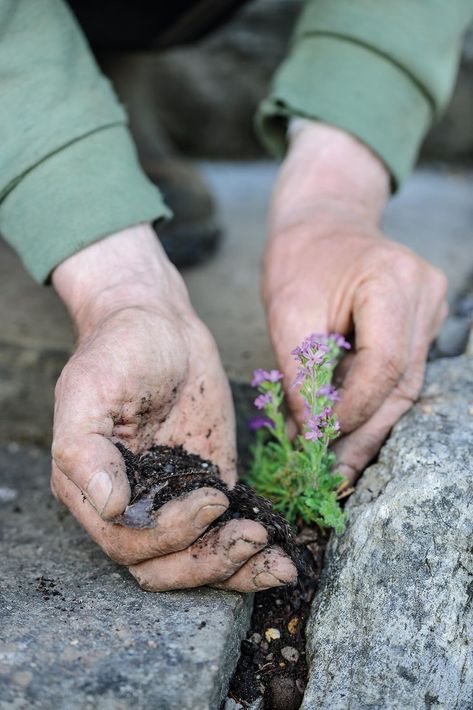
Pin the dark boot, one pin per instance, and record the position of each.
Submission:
(194, 233)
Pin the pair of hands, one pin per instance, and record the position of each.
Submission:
(146, 370)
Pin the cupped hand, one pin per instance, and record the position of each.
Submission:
(146, 371)
(329, 268)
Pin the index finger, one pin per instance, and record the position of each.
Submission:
(383, 335)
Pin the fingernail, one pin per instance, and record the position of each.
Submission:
(263, 580)
(242, 550)
(347, 471)
(207, 515)
(99, 490)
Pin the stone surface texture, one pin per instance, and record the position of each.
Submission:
(392, 625)
(76, 631)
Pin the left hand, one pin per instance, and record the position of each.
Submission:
(329, 268)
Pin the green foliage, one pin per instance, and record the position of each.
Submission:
(297, 476)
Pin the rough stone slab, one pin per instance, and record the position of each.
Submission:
(392, 626)
(97, 640)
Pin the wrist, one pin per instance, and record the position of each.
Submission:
(329, 172)
(123, 270)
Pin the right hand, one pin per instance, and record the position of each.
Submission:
(146, 371)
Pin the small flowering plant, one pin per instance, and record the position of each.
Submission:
(297, 475)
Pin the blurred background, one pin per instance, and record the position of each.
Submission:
(191, 110)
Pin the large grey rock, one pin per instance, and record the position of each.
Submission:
(392, 625)
(76, 631)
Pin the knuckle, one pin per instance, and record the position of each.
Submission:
(144, 582)
(394, 365)
(63, 451)
(396, 263)
(118, 553)
(410, 387)
(404, 264)
(58, 450)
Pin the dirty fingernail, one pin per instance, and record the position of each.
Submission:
(263, 580)
(99, 490)
(207, 514)
(344, 469)
(242, 550)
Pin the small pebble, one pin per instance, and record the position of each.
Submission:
(290, 653)
(7, 494)
(292, 625)
(255, 638)
(272, 634)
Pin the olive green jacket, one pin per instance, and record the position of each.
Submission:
(382, 70)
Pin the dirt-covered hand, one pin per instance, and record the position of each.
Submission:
(146, 371)
(328, 268)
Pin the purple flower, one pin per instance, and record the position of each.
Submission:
(260, 376)
(301, 374)
(328, 391)
(340, 341)
(315, 358)
(312, 349)
(263, 399)
(319, 343)
(260, 422)
(313, 435)
(313, 428)
(316, 423)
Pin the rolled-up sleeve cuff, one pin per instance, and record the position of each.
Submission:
(87, 190)
(355, 88)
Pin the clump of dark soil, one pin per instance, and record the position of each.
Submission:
(163, 473)
(272, 663)
(47, 588)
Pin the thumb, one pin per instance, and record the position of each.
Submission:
(95, 465)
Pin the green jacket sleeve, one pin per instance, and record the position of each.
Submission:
(382, 70)
(68, 170)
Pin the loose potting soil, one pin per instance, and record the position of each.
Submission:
(164, 473)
